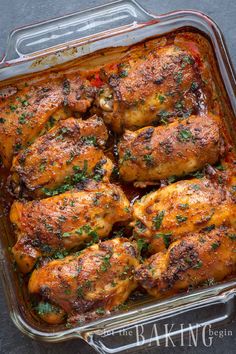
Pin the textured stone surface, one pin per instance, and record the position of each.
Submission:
(16, 13)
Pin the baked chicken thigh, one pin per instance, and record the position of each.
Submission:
(151, 154)
(181, 208)
(198, 258)
(99, 278)
(68, 220)
(69, 152)
(151, 86)
(24, 115)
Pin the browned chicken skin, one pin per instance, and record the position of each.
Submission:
(100, 278)
(176, 210)
(152, 86)
(66, 221)
(79, 94)
(163, 102)
(151, 154)
(60, 155)
(25, 114)
(198, 258)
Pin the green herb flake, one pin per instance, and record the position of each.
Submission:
(184, 135)
(42, 166)
(165, 236)
(89, 140)
(148, 158)
(215, 245)
(198, 265)
(195, 187)
(80, 291)
(178, 77)
(2, 120)
(157, 220)
(123, 73)
(100, 311)
(161, 98)
(181, 218)
(183, 205)
(12, 107)
(44, 308)
(106, 263)
(232, 236)
(142, 245)
(22, 118)
(220, 167)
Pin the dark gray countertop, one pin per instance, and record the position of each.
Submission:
(16, 13)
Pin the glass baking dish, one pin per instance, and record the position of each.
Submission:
(44, 45)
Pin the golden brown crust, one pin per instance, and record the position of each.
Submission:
(69, 148)
(25, 114)
(154, 85)
(151, 154)
(186, 206)
(68, 220)
(201, 257)
(101, 277)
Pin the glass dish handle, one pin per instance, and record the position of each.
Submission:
(188, 325)
(68, 31)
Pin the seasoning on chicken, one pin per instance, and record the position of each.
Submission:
(79, 93)
(151, 86)
(189, 262)
(98, 279)
(181, 208)
(66, 221)
(151, 154)
(25, 114)
(68, 154)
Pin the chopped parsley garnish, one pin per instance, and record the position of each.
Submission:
(127, 156)
(17, 146)
(178, 77)
(140, 225)
(165, 236)
(183, 205)
(215, 245)
(184, 135)
(70, 181)
(22, 118)
(42, 166)
(187, 59)
(80, 291)
(195, 187)
(2, 120)
(123, 73)
(232, 236)
(157, 220)
(12, 107)
(161, 98)
(142, 245)
(209, 228)
(220, 167)
(148, 158)
(194, 86)
(181, 218)
(89, 140)
(106, 263)
(198, 265)
(45, 308)
(100, 311)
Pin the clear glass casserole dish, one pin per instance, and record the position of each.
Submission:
(41, 46)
